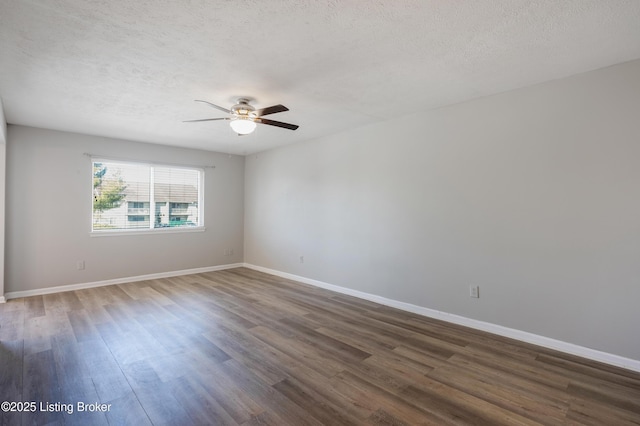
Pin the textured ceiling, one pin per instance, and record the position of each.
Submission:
(131, 69)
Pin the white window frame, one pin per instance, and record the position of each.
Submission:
(151, 230)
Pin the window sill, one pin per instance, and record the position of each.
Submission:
(155, 231)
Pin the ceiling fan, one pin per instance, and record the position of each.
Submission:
(243, 117)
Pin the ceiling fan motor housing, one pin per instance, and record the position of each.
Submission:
(243, 109)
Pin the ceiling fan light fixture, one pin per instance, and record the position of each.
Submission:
(243, 125)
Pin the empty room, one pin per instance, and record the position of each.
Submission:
(320, 212)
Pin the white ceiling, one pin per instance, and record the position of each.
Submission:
(131, 69)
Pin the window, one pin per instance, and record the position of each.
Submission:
(134, 196)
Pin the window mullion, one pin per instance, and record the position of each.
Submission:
(152, 198)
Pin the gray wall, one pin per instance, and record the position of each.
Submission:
(533, 194)
(48, 214)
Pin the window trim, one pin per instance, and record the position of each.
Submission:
(145, 231)
(200, 227)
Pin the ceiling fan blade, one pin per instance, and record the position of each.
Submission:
(215, 106)
(205, 119)
(271, 110)
(277, 123)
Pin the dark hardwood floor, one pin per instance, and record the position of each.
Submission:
(242, 347)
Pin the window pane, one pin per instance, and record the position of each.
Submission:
(176, 197)
(120, 196)
(140, 196)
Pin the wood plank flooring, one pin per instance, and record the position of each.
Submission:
(239, 347)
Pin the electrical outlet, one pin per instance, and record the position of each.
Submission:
(80, 265)
(301, 259)
(474, 291)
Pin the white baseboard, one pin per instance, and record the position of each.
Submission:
(80, 286)
(570, 348)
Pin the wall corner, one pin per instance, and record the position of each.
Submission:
(3, 166)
